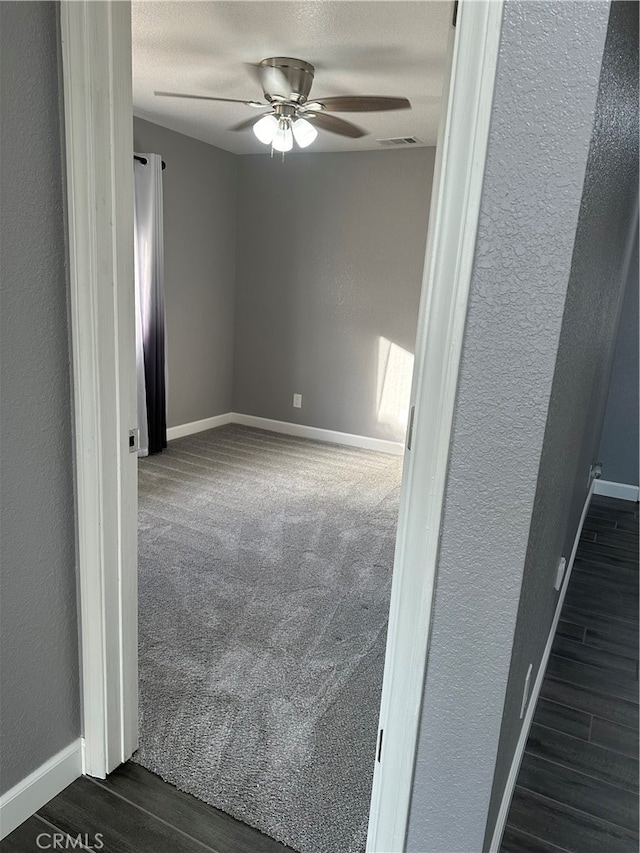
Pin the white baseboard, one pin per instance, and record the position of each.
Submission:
(332, 436)
(25, 798)
(198, 426)
(617, 490)
(501, 820)
(301, 430)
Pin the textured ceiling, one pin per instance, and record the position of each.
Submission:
(366, 47)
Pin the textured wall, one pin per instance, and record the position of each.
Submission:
(619, 444)
(542, 118)
(583, 363)
(330, 257)
(38, 619)
(200, 192)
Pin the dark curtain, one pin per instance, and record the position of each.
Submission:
(150, 308)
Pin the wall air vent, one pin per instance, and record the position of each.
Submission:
(400, 140)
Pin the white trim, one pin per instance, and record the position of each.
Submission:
(455, 208)
(507, 796)
(285, 428)
(319, 434)
(198, 426)
(96, 60)
(46, 782)
(623, 491)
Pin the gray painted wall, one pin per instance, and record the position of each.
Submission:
(542, 120)
(580, 383)
(330, 257)
(619, 444)
(38, 618)
(200, 195)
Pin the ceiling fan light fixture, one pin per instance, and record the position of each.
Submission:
(266, 128)
(286, 83)
(283, 138)
(304, 132)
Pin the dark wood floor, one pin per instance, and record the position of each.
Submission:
(577, 788)
(578, 784)
(136, 812)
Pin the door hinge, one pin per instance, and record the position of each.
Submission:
(380, 744)
(134, 440)
(410, 430)
(455, 13)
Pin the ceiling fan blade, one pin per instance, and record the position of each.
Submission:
(335, 125)
(363, 104)
(208, 98)
(245, 125)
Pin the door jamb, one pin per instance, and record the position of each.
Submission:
(96, 58)
(98, 134)
(453, 223)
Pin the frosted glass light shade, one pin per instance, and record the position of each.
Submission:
(283, 139)
(304, 132)
(265, 129)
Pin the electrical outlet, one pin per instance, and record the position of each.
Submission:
(562, 566)
(525, 692)
(297, 401)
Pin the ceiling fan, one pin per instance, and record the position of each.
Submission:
(286, 84)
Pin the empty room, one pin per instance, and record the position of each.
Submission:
(284, 157)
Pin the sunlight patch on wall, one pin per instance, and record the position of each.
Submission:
(395, 370)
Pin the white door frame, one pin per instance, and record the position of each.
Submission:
(453, 221)
(96, 54)
(98, 125)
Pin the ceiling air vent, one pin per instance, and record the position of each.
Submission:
(400, 140)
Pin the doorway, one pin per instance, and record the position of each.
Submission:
(265, 557)
(96, 51)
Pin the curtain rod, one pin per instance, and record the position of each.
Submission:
(144, 161)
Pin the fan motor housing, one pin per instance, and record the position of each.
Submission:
(299, 75)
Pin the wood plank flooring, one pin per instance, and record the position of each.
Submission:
(134, 811)
(577, 789)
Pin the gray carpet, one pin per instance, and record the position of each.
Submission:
(265, 568)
